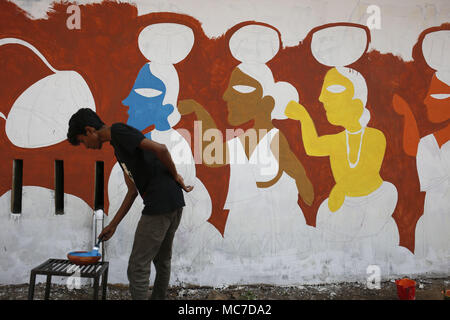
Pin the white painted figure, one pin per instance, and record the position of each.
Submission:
(264, 223)
(432, 242)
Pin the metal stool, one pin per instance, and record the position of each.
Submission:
(65, 268)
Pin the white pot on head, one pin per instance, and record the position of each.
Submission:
(435, 49)
(339, 45)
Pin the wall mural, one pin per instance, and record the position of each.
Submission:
(311, 161)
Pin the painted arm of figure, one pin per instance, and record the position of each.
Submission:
(163, 155)
(127, 202)
(410, 131)
(314, 145)
(189, 106)
(290, 164)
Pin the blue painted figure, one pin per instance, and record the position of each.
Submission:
(145, 102)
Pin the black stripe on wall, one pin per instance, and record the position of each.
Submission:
(59, 186)
(16, 189)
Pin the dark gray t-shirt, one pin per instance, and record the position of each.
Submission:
(159, 190)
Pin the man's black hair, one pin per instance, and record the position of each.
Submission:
(79, 120)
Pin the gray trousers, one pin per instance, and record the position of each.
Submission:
(152, 242)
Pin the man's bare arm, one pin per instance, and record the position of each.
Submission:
(127, 202)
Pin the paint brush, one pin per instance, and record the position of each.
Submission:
(96, 247)
(92, 253)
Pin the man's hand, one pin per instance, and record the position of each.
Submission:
(179, 179)
(107, 232)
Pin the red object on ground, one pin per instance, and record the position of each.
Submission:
(406, 289)
(446, 294)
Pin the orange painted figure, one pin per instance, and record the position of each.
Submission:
(438, 111)
(432, 153)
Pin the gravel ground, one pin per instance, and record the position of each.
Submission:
(426, 289)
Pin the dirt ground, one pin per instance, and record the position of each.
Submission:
(426, 289)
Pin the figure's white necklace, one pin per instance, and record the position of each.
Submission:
(352, 165)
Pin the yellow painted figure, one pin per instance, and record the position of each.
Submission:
(356, 154)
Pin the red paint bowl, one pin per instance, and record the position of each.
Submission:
(446, 294)
(406, 289)
(80, 260)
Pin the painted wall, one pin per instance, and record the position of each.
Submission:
(349, 165)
